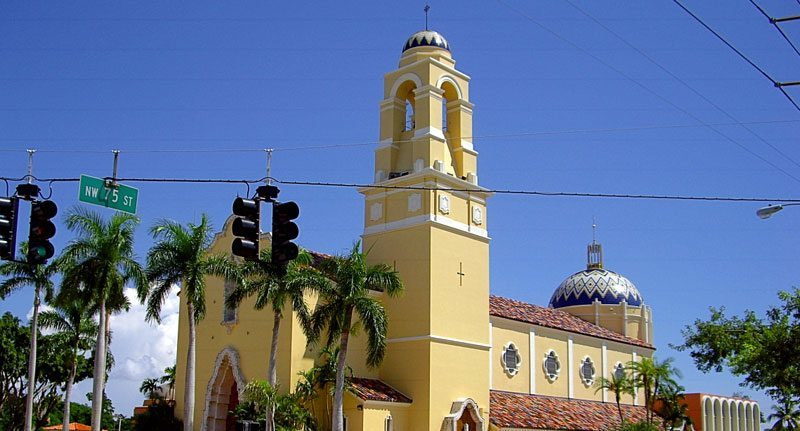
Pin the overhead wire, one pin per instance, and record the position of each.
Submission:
(744, 57)
(684, 83)
(359, 144)
(475, 189)
(649, 90)
(777, 27)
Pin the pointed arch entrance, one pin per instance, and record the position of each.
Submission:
(222, 392)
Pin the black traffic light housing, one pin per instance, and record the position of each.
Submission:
(9, 208)
(283, 232)
(246, 227)
(41, 230)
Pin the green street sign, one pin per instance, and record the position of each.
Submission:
(96, 191)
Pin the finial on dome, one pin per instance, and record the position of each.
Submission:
(426, 9)
(594, 252)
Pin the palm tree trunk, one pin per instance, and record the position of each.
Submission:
(188, 394)
(68, 391)
(98, 380)
(273, 368)
(338, 393)
(32, 362)
(619, 408)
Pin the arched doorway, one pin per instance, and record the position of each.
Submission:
(464, 416)
(222, 392)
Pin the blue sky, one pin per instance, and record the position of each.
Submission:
(569, 96)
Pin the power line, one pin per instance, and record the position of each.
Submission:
(350, 144)
(649, 90)
(425, 188)
(774, 22)
(685, 84)
(744, 57)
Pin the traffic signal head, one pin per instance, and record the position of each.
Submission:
(246, 227)
(8, 227)
(42, 229)
(283, 232)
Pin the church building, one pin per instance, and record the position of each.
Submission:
(457, 358)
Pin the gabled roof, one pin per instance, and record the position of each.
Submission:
(552, 318)
(376, 390)
(523, 411)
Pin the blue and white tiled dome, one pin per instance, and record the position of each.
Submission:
(583, 287)
(426, 38)
(595, 283)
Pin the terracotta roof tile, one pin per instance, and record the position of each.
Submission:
(552, 318)
(512, 410)
(376, 390)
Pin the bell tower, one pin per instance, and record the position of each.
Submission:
(426, 215)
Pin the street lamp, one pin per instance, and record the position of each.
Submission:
(769, 210)
(120, 417)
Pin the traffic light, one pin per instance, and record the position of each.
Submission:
(283, 232)
(8, 227)
(246, 227)
(42, 229)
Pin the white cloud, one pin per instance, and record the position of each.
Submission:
(141, 349)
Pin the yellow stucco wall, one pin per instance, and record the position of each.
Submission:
(586, 347)
(502, 335)
(545, 341)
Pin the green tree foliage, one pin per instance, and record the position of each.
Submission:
(656, 379)
(619, 386)
(159, 416)
(786, 415)
(275, 288)
(290, 412)
(97, 265)
(762, 350)
(345, 303)
(150, 388)
(52, 373)
(180, 257)
(73, 319)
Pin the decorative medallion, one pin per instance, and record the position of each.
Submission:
(477, 215)
(376, 211)
(444, 204)
(414, 202)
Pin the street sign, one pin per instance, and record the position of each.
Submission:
(96, 191)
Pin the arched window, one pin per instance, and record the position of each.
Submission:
(228, 313)
(551, 365)
(587, 371)
(511, 359)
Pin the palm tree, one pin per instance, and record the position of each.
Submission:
(652, 376)
(169, 379)
(619, 386)
(75, 320)
(150, 388)
(786, 415)
(100, 263)
(344, 291)
(40, 277)
(275, 288)
(180, 257)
